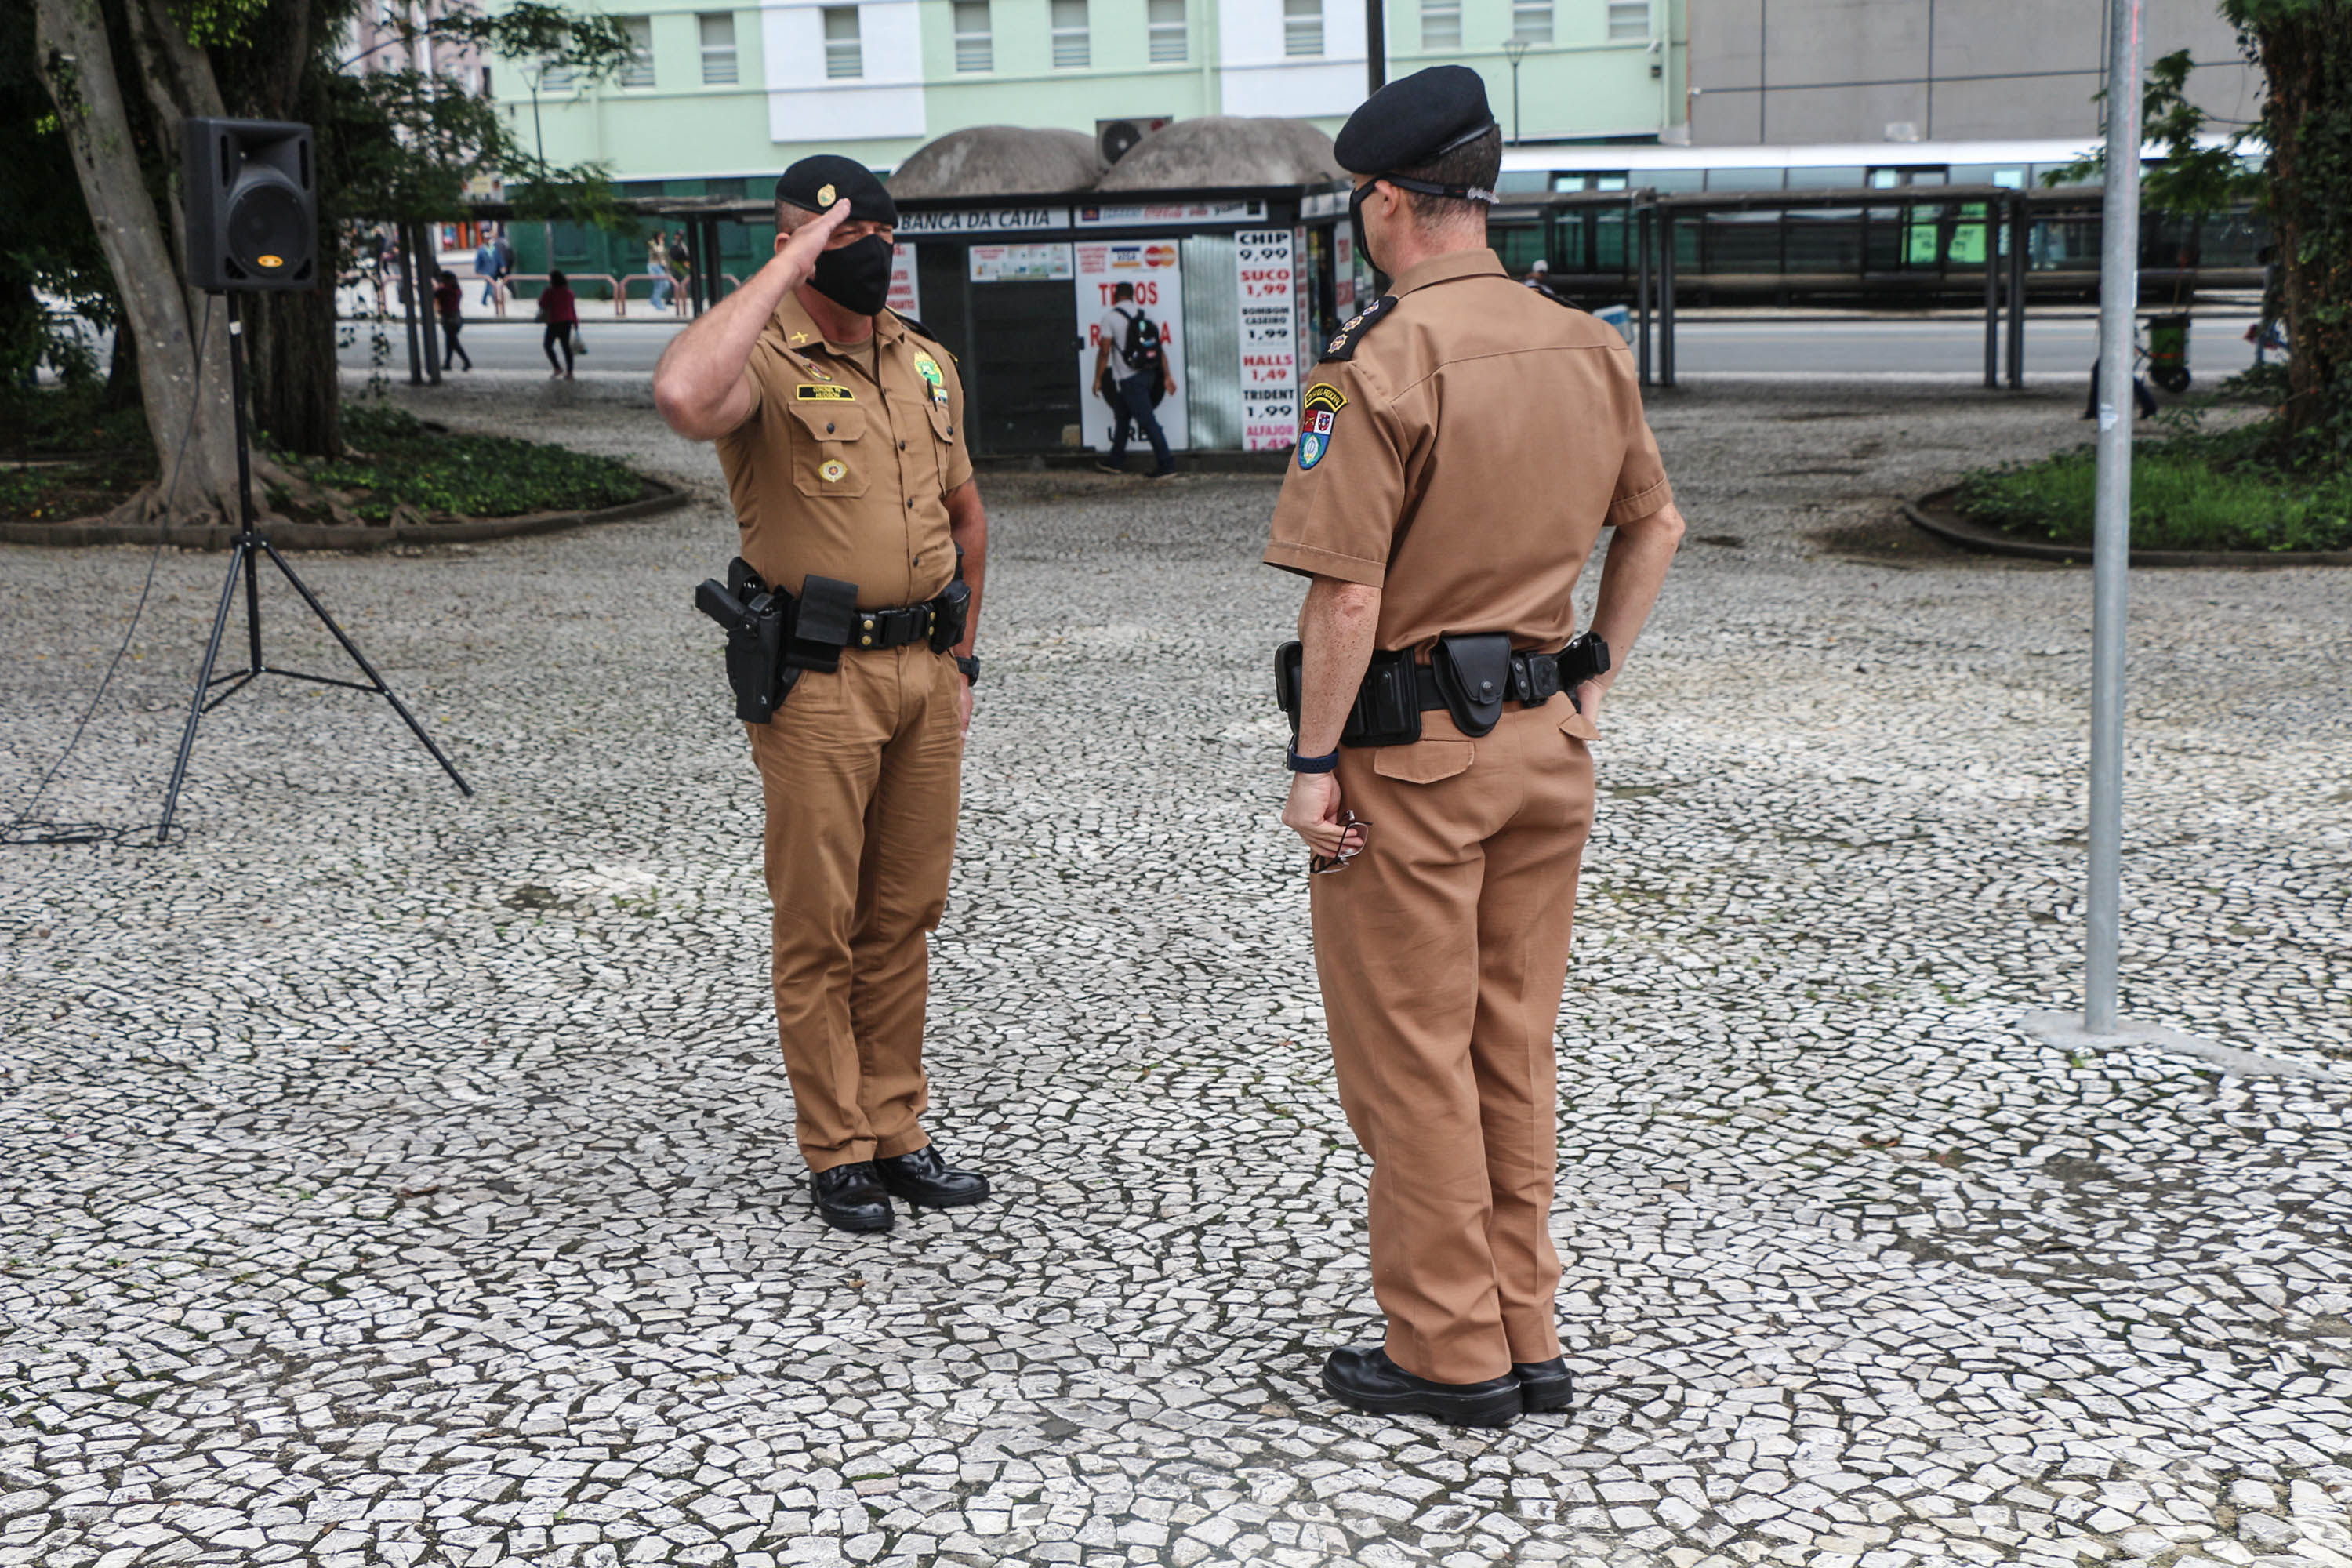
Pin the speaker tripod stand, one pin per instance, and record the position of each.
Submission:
(244, 560)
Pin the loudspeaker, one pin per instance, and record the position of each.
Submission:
(249, 194)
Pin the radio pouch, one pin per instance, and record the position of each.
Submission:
(1387, 710)
(1474, 675)
(823, 617)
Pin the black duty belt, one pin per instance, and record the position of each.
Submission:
(894, 627)
(1471, 676)
(1530, 680)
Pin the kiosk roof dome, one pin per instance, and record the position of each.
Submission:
(998, 161)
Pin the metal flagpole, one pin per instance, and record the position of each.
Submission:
(2111, 538)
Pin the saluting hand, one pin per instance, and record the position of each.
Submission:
(807, 242)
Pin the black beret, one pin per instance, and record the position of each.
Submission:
(814, 184)
(1410, 121)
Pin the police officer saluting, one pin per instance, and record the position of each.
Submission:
(1462, 443)
(852, 612)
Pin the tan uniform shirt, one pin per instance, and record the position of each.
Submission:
(842, 474)
(1465, 459)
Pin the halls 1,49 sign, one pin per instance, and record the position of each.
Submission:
(1150, 265)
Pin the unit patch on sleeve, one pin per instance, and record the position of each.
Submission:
(808, 391)
(1316, 413)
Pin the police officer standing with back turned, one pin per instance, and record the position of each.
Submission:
(1462, 443)
(840, 426)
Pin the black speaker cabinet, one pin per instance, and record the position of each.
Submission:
(252, 204)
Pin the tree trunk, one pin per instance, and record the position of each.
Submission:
(122, 368)
(2305, 52)
(291, 344)
(179, 394)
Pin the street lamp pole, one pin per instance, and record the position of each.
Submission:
(1516, 51)
(1376, 45)
(2111, 515)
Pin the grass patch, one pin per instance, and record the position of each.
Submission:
(65, 456)
(2193, 490)
(397, 461)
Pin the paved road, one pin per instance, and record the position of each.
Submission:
(394, 1178)
(2054, 346)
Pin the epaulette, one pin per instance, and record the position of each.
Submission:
(918, 328)
(1343, 342)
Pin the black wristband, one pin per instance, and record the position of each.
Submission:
(968, 664)
(1327, 762)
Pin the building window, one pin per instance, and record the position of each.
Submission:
(638, 70)
(1629, 21)
(554, 77)
(975, 46)
(718, 47)
(1531, 21)
(1166, 19)
(1441, 24)
(1302, 27)
(844, 57)
(1070, 49)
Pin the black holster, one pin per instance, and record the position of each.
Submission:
(759, 623)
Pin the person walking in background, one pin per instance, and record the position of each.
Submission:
(560, 312)
(658, 268)
(449, 303)
(486, 268)
(681, 264)
(1126, 331)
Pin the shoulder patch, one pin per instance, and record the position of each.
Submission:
(1342, 344)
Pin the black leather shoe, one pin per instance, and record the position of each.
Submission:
(850, 1197)
(1543, 1384)
(1364, 1377)
(923, 1179)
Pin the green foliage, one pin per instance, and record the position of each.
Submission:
(48, 244)
(2194, 178)
(80, 456)
(398, 461)
(2192, 491)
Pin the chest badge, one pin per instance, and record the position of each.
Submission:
(832, 471)
(1317, 413)
(935, 378)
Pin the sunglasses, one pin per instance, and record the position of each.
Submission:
(1353, 832)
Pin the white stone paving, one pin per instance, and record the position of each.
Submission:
(393, 1179)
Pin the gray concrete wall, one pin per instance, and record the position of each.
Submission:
(1954, 69)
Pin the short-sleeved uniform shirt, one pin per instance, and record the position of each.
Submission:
(1465, 460)
(842, 466)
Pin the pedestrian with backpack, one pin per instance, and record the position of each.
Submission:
(1144, 371)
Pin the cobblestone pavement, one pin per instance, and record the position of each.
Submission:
(398, 1179)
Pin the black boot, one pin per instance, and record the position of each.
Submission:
(1364, 1377)
(923, 1179)
(1543, 1384)
(850, 1197)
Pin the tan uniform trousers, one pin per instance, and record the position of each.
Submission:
(861, 770)
(1443, 950)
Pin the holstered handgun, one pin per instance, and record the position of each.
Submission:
(757, 621)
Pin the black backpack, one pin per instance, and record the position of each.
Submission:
(1141, 350)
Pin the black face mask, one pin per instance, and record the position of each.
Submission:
(857, 277)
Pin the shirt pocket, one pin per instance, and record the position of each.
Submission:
(944, 432)
(831, 455)
(1424, 762)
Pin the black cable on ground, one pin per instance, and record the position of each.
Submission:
(23, 830)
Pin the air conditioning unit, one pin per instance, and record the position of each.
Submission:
(1114, 137)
